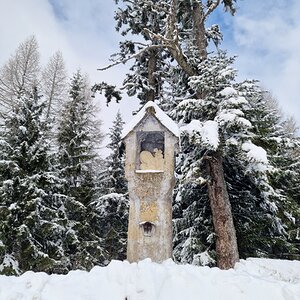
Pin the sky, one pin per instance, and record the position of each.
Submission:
(265, 35)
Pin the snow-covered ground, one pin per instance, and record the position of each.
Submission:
(252, 279)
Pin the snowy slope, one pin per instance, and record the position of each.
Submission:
(253, 279)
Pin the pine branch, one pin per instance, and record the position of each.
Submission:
(174, 47)
(125, 60)
(210, 9)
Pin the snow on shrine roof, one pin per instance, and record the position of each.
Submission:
(161, 116)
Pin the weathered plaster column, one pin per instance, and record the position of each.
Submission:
(151, 140)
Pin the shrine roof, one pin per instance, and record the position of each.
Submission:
(159, 114)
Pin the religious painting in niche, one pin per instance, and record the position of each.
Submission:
(151, 150)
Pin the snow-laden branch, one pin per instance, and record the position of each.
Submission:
(210, 9)
(174, 47)
(203, 132)
(125, 60)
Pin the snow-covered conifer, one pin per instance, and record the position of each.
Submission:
(111, 208)
(113, 177)
(241, 124)
(150, 61)
(79, 136)
(33, 216)
(110, 218)
(225, 188)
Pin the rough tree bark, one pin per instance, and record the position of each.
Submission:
(199, 29)
(152, 67)
(226, 243)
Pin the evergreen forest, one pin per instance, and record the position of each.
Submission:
(63, 206)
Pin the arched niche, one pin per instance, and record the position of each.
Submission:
(148, 228)
(150, 150)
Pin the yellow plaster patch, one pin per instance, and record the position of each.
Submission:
(149, 211)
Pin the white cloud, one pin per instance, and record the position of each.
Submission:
(20, 19)
(82, 30)
(266, 37)
(266, 40)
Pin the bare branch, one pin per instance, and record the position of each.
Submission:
(20, 72)
(54, 80)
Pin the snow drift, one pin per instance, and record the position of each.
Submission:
(259, 279)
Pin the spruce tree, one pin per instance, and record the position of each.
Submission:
(150, 65)
(110, 218)
(185, 42)
(32, 227)
(111, 208)
(259, 209)
(282, 145)
(222, 162)
(114, 175)
(78, 137)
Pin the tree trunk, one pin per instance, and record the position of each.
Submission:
(226, 243)
(199, 29)
(152, 67)
(200, 40)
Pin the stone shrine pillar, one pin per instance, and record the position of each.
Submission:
(151, 140)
